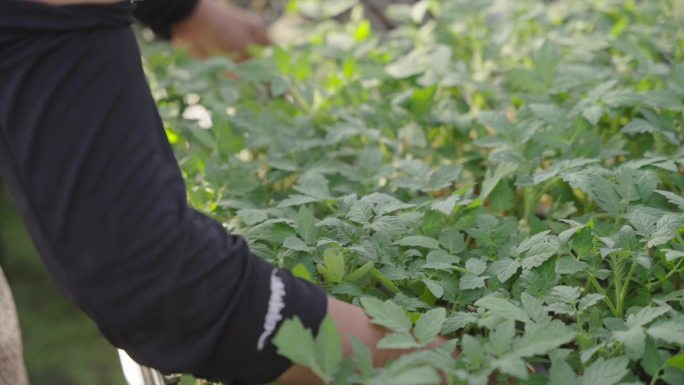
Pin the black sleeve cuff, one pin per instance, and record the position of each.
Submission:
(245, 354)
(161, 15)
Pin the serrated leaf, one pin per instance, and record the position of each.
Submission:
(647, 315)
(471, 281)
(502, 308)
(569, 265)
(538, 249)
(639, 126)
(512, 365)
(501, 339)
(306, 225)
(294, 243)
(634, 340)
(434, 287)
(328, 347)
(605, 372)
(605, 194)
(669, 331)
(398, 341)
(418, 241)
(673, 255)
(535, 309)
(252, 217)
(505, 268)
(541, 340)
(665, 229)
(360, 212)
(589, 300)
(386, 314)
(452, 240)
(416, 376)
(297, 200)
(429, 325)
(296, 343)
(561, 373)
(476, 266)
(672, 198)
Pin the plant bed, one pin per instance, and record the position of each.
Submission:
(507, 175)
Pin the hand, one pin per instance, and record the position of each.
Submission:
(216, 27)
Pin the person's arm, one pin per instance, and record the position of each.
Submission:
(84, 154)
(203, 27)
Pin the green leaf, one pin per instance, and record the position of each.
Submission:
(328, 347)
(434, 287)
(401, 340)
(493, 178)
(512, 365)
(362, 357)
(569, 265)
(300, 271)
(605, 195)
(673, 255)
(653, 359)
(314, 185)
(429, 325)
(634, 340)
(639, 126)
(296, 343)
(626, 186)
(647, 315)
(501, 339)
(540, 340)
(669, 331)
(386, 314)
(538, 249)
(452, 240)
(505, 268)
(306, 225)
(665, 229)
(471, 281)
(297, 200)
(535, 309)
(361, 272)
(294, 243)
(334, 268)
(673, 198)
(561, 373)
(606, 372)
(502, 308)
(676, 362)
(416, 376)
(476, 266)
(418, 241)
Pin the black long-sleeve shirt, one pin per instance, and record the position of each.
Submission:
(84, 154)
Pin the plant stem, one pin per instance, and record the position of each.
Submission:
(625, 290)
(598, 288)
(656, 376)
(672, 272)
(617, 277)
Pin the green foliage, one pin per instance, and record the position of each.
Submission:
(507, 175)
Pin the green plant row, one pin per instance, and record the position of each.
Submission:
(505, 174)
